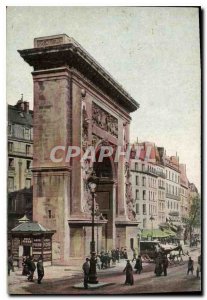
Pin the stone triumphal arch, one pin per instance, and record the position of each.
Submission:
(76, 102)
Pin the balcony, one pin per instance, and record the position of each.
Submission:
(20, 153)
(171, 196)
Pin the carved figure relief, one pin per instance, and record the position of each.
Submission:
(104, 120)
(129, 198)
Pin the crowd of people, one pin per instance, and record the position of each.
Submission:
(28, 267)
(161, 264)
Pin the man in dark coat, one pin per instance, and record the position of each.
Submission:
(138, 264)
(40, 270)
(129, 273)
(190, 266)
(165, 265)
(31, 268)
(199, 266)
(86, 269)
(10, 264)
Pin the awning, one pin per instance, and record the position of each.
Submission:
(169, 232)
(155, 233)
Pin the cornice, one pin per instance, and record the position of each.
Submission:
(73, 55)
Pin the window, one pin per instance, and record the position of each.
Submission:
(28, 164)
(168, 205)
(9, 129)
(26, 133)
(144, 195)
(143, 168)
(137, 180)
(144, 223)
(171, 205)
(11, 163)
(143, 181)
(177, 206)
(172, 176)
(49, 214)
(28, 183)
(11, 184)
(137, 208)
(137, 194)
(28, 148)
(144, 209)
(132, 243)
(10, 146)
(136, 166)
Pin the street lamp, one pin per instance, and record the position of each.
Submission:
(92, 273)
(152, 219)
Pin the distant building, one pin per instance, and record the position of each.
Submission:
(172, 173)
(184, 192)
(20, 154)
(144, 179)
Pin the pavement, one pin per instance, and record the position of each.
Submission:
(62, 279)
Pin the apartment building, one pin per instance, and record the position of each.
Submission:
(20, 155)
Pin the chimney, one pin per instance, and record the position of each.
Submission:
(26, 107)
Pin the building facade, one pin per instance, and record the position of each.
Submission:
(172, 174)
(77, 103)
(20, 155)
(184, 192)
(145, 175)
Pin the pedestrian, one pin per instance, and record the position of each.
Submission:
(165, 265)
(31, 268)
(190, 266)
(129, 273)
(40, 270)
(199, 266)
(158, 265)
(138, 264)
(25, 271)
(86, 269)
(117, 254)
(10, 264)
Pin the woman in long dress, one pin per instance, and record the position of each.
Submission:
(129, 273)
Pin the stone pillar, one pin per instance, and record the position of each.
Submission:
(120, 175)
(52, 128)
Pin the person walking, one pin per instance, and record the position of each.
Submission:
(190, 266)
(165, 265)
(10, 264)
(198, 267)
(31, 268)
(138, 265)
(40, 270)
(129, 273)
(86, 269)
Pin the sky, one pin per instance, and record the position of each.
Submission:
(153, 52)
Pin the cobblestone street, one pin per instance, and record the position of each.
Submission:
(60, 280)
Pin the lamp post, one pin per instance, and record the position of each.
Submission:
(92, 272)
(152, 219)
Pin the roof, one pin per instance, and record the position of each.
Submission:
(31, 227)
(50, 53)
(16, 116)
(23, 219)
(157, 233)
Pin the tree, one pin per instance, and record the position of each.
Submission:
(194, 217)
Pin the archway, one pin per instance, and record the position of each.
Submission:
(106, 199)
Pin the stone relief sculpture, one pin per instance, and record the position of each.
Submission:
(104, 120)
(129, 198)
(85, 124)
